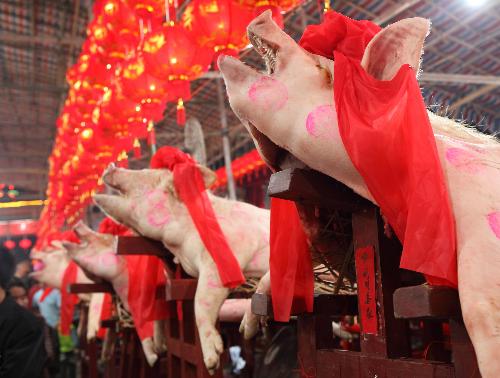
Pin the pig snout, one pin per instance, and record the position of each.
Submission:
(116, 178)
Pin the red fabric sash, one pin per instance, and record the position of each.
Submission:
(46, 293)
(145, 273)
(292, 280)
(106, 312)
(190, 187)
(387, 134)
(68, 300)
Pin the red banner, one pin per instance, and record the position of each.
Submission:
(365, 273)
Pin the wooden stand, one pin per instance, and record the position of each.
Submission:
(385, 305)
(184, 356)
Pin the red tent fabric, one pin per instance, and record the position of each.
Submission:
(68, 300)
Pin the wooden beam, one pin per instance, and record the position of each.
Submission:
(471, 96)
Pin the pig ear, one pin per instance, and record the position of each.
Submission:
(83, 231)
(57, 244)
(398, 44)
(209, 176)
(70, 248)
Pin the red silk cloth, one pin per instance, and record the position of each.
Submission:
(387, 133)
(292, 280)
(68, 300)
(106, 312)
(145, 274)
(190, 187)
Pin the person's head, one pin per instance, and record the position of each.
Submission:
(18, 292)
(23, 268)
(7, 268)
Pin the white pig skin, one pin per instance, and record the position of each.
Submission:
(274, 108)
(97, 256)
(149, 204)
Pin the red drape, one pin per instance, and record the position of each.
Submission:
(68, 301)
(292, 280)
(387, 134)
(190, 187)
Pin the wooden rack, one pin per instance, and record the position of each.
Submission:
(385, 339)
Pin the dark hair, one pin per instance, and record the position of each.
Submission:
(7, 268)
(17, 282)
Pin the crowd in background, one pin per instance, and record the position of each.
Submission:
(30, 343)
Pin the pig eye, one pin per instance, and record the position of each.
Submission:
(326, 73)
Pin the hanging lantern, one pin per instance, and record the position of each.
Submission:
(172, 54)
(25, 243)
(218, 24)
(9, 244)
(150, 12)
(277, 7)
(147, 90)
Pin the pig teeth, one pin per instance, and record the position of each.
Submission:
(267, 51)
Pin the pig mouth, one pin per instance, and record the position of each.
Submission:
(266, 49)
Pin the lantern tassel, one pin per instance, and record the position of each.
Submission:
(137, 149)
(181, 113)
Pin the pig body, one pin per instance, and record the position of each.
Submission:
(149, 204)
(291, 115)
(97, 256)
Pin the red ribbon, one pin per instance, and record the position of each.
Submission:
(45, 293)
(68, 300)
(190, 187)
(401, 168)
(292, 279)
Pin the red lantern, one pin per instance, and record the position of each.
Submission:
(276, 6)
(25, 243)
(9, 244)
(172, 54)
(144, 89)
(218, 24)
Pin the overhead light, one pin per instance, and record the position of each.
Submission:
(475, 3)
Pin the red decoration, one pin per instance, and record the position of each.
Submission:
(426, 231)
(171, 54)
(277, 7)
(9, 244)
(218, 24)
(365, 271)
(25, 243)
(190, 187)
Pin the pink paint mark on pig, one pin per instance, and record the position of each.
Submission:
(158, 214)
(212, 284)
(494, 222)
(321, 122)
(109, 259)
(464, 160)
(268, 93)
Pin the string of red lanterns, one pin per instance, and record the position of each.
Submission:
(136, 58)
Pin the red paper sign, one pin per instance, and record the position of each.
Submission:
(365, 272)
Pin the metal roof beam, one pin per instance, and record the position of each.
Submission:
(433, 77)
(393, 11)
(471, 96)
(46, 40)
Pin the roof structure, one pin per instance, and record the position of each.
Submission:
(41, 39)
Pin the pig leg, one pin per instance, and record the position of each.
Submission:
(209, 297)
(479, 289)
(250, 324)
(159, 340)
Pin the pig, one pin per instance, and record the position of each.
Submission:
(148, 203)
(97, 256)
(273, 108)
(53, 263)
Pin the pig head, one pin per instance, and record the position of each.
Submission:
(53, 263)
(148, 203)
(289, 111)
(96, 255)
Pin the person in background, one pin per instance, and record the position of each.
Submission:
(19, 293)
(22, 352)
